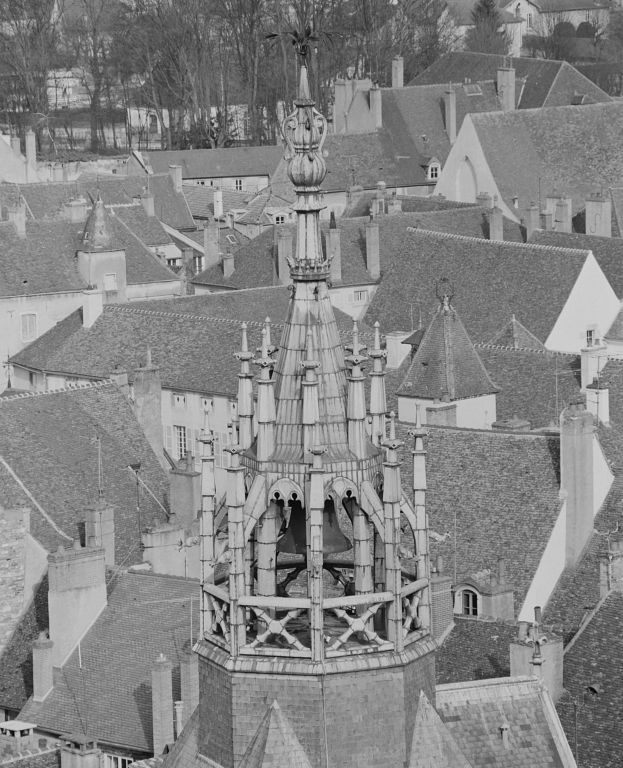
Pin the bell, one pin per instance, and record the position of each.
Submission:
(294, 540)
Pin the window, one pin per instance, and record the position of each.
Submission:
(221, 441)
(280, 219)
(529, 17)
(179, 400)
(360, 296)
(173, 262)
(231, 239)
(180, 446)
(591, 339)
(202, 183)
(117, 761)
(238, 185)
(197, 263)
(29, 326)
(433, 172)
(470, 603)
(32, 379)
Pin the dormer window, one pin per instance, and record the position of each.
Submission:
(469, 603)
(433, 170)
(591, 337)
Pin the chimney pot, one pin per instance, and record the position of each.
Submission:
(598, 215)
(398, 72)
(496, 224)
(376, 106)
(373, 259)
(217, 202)
(228, 264)
(162, 704)
(506, 88)
(335, 253)
(284, 254)
(449, 102)
(176, 175)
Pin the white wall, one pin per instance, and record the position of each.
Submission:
(164, 290)
(471, 412)
(592, 302)
(348, 300)
(249, 183)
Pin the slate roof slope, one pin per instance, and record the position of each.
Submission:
(595, 658)
(44, 261)
(474, 712)
(146, 615)
(446, 363)
(432, 743)
(575, 150)
(50, 442)
(475, 649)
(500, 487)
(257, 209)
(45, 200)
(275, 744)
(516, 336)
(200, 200)
(229, 239)
(217, 163)
(147, 229)
(540, 84)
(484, 274)
(185, 751)
(607, 250)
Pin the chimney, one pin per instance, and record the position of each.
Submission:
(340, 106)
(547, 220)
(119, 377)
(16, 146)
(75, 210)
(284, 253)
(514, 424)
(376, 106)
(92, 306)
(522, 651)
(396, 350)
(211, 243)
(395, 204)
(498, 600)
(598, 215)
(562, 215)
(147, 199)
(76, 596)
(484, 200)
(217, 203)
(31, 149)
(398, 72)
(176, 175)
(179, 718)
(373, 259)
(506, 88)
(147, 393)
(533, 220)
(57, 172)
(189, 679)
(227, 260)
(79, 751)
(162, 704)
(442, 609)
(598, 402)
(185, 491)
(496, 224)
(593, 358)
(334, 250)
(449, 103)
(576, 478)
(17, 216)
(100, 530)
(42, 673)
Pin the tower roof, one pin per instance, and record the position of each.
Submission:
(275, 744)
(432, 745)
(446, 365)
(98, 230)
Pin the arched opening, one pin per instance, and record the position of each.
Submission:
(564, 29)
(586, 29)
(466, 186)
(467, 602)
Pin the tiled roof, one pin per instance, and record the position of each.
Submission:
(361, 202)
(50, 443)
(446, 365)
(229, 239)
(607, 250)
(200, 200)
(258, 207)
(432, 743)
(45, 200)
(35, 758)
(595, 658)
(110, 695)
(185, 335)
(484, 274)
(274, 744)
(474, 713)
(569, 150)
(494, 487)
(540, 87)
(148, 229)
(217, 163)
(475, 649)
(514, 335)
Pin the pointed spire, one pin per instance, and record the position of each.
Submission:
(245, 393)
(311, 415)
(265, 402)
(97, 234)
(356, 408)
(378, 399)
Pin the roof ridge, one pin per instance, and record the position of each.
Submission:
(512, 243)
(548, 352)
(78, 385)
(160, 313)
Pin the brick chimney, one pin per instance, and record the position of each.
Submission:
(373, 258)
(533, 220)
(547, 220)
(379, 202)
(441, 600)
(484, 200)
(147, 200)
(79, 751)
(189, 677)
(217, 203)
(17, 216)
(598, 215)
(76, 596)
(162, 704)
(284, 252)
(398, 72)
(42, 667)
(211, 244)
(228, 264)
(176, 175)
(522, 656)
(92, 306)
(147, 394)
(506, 88)
(376, 106)
(577, 478)
(562, 215)
(100, 530)
(449, 104)
(496, 224)
(334, 250)
(185, 491)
